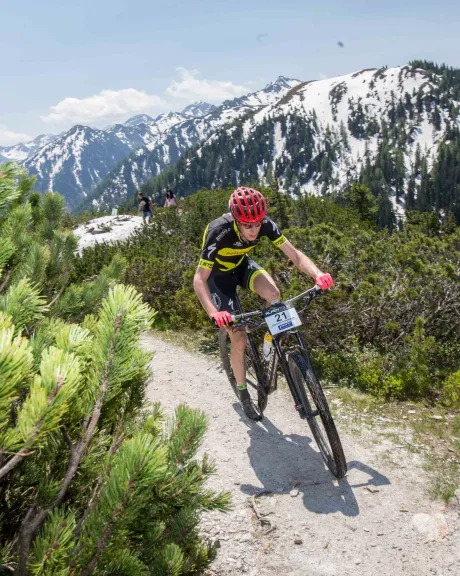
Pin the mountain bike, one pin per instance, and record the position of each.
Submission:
(290, 355)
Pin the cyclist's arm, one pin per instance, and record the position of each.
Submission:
(200, 285)
(303, 263)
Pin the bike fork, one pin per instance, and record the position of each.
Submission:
(287, 373)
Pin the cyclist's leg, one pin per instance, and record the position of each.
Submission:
(238, 342)
(259, 281)
(223, 294)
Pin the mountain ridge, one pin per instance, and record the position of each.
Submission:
(79, 166)
(22, 150)
(123, 181)
(384, 127)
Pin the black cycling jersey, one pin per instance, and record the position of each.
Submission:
(223, 247)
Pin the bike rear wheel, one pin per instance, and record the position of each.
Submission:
(314, 407)
(258, 395)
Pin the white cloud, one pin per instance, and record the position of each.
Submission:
(10, 138)
(107, 106)
(322, 76)
(189, 87)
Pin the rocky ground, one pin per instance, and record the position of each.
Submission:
(290, 515)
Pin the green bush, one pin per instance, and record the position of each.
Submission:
(384, 283)
(450, 395)
(93, 480)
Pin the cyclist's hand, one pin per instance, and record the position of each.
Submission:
(324, 281)
(223, 318)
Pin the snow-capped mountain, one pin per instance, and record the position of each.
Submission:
(22, 151)
(76, 162)
(182, 134)
(380, 125)
(139, 119)
(143, 130)
(198, 109)
(269, 95)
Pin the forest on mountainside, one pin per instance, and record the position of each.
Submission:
(427, 185)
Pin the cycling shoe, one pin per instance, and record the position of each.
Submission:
(250, 410)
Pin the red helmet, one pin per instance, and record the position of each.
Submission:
(247, 205)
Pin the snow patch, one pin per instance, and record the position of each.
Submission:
(106, 229)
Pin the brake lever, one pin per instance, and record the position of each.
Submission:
(316, 294)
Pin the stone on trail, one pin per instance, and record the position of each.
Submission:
(246, 537)
(431, 527)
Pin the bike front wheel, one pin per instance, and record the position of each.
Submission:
(314, 407)
(258, 395)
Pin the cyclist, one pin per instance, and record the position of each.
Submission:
(225, 264)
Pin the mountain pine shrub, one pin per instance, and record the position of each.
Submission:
(92, 479)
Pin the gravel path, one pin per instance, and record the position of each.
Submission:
(377, 521)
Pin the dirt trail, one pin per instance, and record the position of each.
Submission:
(377, 521)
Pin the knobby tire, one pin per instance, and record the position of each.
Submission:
(305, 379)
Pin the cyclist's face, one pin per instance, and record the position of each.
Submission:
(249, 231)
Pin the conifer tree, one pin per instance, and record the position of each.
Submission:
(360, 198)
(92, 479)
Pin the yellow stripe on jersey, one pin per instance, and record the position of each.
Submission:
(229, 265)
(234, 251)
(206, 264)
(280, 241)
(204, 236)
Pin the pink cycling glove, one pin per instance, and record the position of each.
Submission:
(223, 318)
(324, 281)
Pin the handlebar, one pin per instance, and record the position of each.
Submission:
(309, 295)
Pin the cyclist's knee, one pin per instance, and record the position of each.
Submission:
(273, 294)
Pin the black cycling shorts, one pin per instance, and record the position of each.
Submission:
(222, 285)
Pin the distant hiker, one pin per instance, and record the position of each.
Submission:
(145, 206)
(170, 201)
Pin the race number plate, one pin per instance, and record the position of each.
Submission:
(279, 318)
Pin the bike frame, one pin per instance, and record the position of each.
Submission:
(266, 377)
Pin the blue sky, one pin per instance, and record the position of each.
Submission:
(96, 62)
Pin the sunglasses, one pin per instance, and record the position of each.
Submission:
(249, 226)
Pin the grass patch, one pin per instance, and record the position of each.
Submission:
(355, 399)
(431, 432)
(444, 478)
